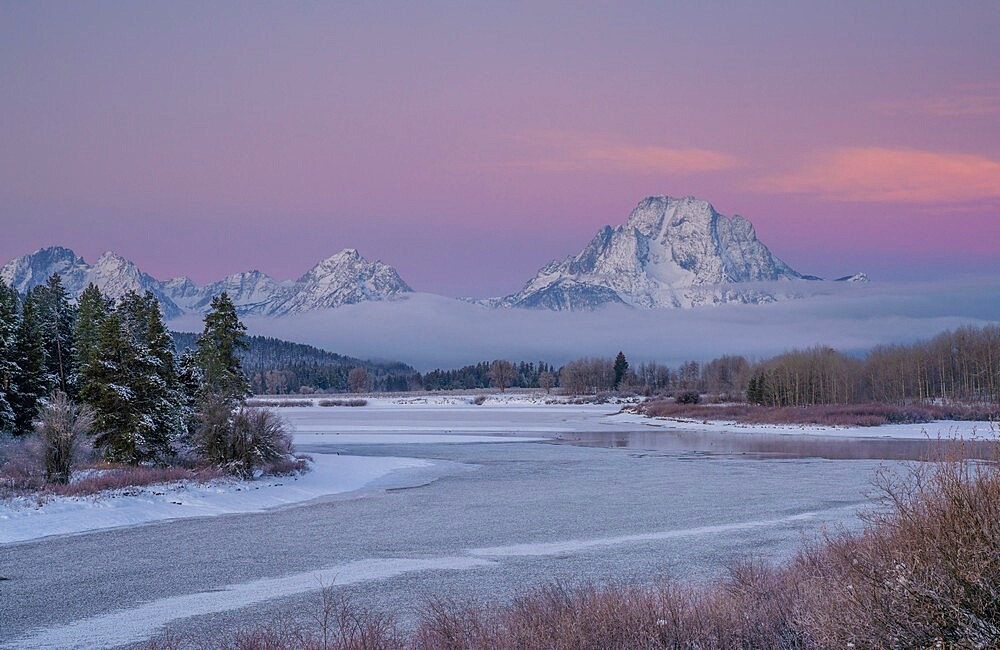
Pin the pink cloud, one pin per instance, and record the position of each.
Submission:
(971, 105)
(573, 152)
(891, 175)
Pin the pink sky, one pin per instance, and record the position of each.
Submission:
(469, 146)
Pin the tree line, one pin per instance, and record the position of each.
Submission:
(277, 367)
(962, 365)
(112, 365)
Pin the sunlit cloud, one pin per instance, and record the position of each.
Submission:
(890, 175)
(970, 105)
(573, 152)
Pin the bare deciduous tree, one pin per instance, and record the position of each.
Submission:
(62, 427)
(357, 380)
(502, 373)
(546, 380)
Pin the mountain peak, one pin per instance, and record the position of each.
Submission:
(670, 252)
(343, 278)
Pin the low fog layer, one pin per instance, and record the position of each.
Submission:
(429, 331)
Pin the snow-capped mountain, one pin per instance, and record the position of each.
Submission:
(114, 274)
(342, 279)
(671, 252)
(857, 277)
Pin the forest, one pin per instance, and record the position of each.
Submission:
(277, 367)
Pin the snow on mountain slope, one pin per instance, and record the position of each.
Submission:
(112, 273)
(344, 278)
(672, 252)
(25, 272)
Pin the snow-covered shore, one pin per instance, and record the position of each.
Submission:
(546, 416)
(948, 429)
(25, 519)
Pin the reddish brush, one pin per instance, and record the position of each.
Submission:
(857, 415)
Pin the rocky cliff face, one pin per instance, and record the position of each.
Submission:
(342, 279)
(671, 252)
(112, 273)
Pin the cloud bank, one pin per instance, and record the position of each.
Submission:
(429, 331)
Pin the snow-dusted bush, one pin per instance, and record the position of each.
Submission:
(257, 438)
(62, 427)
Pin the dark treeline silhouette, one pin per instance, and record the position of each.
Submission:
(525, 375)
(277, 367)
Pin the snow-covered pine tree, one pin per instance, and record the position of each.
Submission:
(8, 350)
(92, 309)
(31, 380)
(157, 386)
(223, 387)
(56, 317)
(108, 388)
(222, 338)
(136, 412)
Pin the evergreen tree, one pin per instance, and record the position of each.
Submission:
(93, 309)
(223, 385)
(130, 383)
(31, 381)
(8, 355)
(56, 317)
(156, 376)
(217, 356)
(620, 368)
(109, 389)
(189, 379)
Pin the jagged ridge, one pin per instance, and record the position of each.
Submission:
(671, 252)
(342, 279)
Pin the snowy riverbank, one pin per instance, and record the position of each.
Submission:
(25, 519)
(948, 429)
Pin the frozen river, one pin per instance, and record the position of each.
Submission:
(482, 520)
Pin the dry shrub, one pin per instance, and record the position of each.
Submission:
(256, 438)
(748, 611)
(21, 467)
(925, 572)
(62, 427)
(278, 403)
(478, 400)
(117, 477)
(288, 465)
(857, 415)
(343, 402)
(688, 397)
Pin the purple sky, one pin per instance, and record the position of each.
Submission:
(469, 146)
